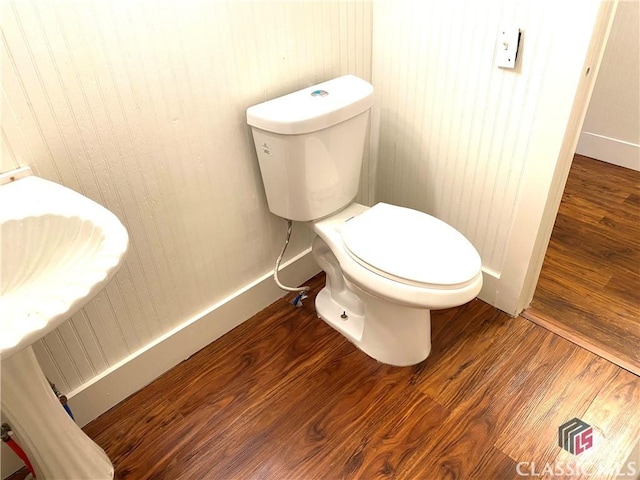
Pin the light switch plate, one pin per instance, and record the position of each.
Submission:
(507, 47)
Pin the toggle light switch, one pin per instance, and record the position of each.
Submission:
(507, 47)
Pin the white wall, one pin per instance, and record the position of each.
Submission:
(611, 130)
(470, 143)
(140, 106)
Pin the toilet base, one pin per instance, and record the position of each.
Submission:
(347, 322)
(390, 333)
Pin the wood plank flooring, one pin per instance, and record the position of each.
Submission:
(589, 287)
(283, 396)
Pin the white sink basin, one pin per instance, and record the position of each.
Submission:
(57, 250)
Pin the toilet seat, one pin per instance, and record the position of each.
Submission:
(360, 276)
(411, 247)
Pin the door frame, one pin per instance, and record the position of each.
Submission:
(543, 184)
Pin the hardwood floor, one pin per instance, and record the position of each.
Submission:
(283, 396)
(589, 287)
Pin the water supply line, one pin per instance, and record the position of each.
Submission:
(302, 291)
(62, 398)
(5, 435)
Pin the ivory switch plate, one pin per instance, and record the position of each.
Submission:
(507, 47)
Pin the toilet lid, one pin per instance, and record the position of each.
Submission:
(411, 245)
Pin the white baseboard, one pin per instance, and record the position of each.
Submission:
(491, 287)
(610, 150)
(134, 372)
(139, 369)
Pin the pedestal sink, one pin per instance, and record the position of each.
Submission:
(57, 250)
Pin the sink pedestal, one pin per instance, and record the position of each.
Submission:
(55, 445)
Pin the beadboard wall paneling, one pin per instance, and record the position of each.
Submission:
(140, 106)
(457, 134)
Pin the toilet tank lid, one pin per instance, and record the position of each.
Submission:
(313, 108)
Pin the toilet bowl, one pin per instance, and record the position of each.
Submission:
(386, 266)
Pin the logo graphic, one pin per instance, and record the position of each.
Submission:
(575, 436)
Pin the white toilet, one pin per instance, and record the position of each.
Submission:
(386, 266)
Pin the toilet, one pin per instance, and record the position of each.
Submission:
(386, 266)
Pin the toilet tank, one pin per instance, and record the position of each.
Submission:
(310, 145)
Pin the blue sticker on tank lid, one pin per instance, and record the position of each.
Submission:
(319, 93)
